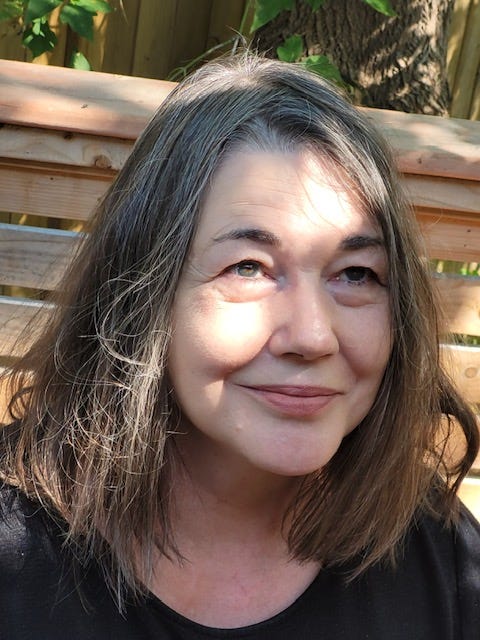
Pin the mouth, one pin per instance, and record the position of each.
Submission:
(295, 401)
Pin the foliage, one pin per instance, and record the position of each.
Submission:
(33, 17)
(293, 47)
(291, 50)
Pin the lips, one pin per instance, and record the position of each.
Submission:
(295, 401)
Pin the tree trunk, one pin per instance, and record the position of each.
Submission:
(394, 63)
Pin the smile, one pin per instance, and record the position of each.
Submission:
(294, 401)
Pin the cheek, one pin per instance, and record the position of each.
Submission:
(216, 335)
(368, 344)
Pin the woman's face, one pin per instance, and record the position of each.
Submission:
(281, 320)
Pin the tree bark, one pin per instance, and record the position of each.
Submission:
(392, 62)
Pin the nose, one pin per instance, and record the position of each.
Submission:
(304, 323)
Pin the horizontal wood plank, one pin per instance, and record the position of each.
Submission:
(429, 145)
(447, 238)
(72, 100)
(120, 106)
(463, 365)
(16, 316)
(68, 192)
(443, 195)
(460, 303)
(34, 145)
(50, 193)
(34, 257)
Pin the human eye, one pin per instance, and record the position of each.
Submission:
(358, 276)
(246, 280)
(250, 269)
(357, 285)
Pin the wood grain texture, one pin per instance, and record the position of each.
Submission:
(460, 304)
(428, 145)
(28, 145)
(121, 38)
(20, 322)
(33, 257)
(225, 18)
(450, 238)
(468, 64)
(50, 193)
(156, 31)
(444, 195)
(457, 26)
(72, 100)
(463, 365)
(99, 157)
(120, 106)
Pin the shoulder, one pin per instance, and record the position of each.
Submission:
(43, 589)
(460, 541)
(467, 536)
(453, 557)
(24, 532)
(467, 551)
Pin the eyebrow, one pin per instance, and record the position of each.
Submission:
(257, 235)
(350, 243)
(358, 242)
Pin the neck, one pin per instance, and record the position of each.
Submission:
(235, 567)
(221, 495)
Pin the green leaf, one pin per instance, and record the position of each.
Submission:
(315, 4)
(324, 67)
(38, 43)
(10, 9)
(267, 10)
(37, 26)
(382, 6)
(39, 9)
(79, 61)
(291, 50)
(92, 6)
(78, 19)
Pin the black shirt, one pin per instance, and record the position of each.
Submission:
(434, 594)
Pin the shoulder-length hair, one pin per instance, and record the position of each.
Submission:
(93, 425)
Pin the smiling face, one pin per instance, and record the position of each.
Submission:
(281, 319)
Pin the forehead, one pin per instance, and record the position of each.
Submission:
(295, 193)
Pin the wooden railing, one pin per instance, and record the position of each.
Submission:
(64, 134)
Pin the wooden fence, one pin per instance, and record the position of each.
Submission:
(464, 60)
(146, 38)
(66, 133)
(150, 38)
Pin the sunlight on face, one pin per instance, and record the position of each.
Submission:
(281, 320)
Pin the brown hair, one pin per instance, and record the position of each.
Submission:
(92, 425)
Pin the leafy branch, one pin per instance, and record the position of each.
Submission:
(33, 18)
(293, 47)
(264, 11)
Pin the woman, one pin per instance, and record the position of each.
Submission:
(235, 426)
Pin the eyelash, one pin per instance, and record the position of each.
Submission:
(245, 263)
(367, 273)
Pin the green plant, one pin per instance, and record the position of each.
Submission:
(32, 16)
(264, 11)
(293, 47)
